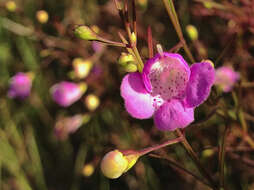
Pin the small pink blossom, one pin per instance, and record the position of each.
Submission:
(20, 86)
(66, 93)
(67, 125)
(226, 77)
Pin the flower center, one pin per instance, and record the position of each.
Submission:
(168, 79)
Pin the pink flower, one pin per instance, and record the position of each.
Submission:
(20, 86)
(66, 93)
(168, 89)
(226, 77)
(67, 125)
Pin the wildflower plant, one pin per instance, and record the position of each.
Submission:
(164, 86)
(125, 101)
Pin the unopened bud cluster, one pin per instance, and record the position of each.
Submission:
(127, 61)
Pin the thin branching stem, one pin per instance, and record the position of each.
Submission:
(156, 147)
(178, 166)
(222, 152)
(174, 19)
(196, 160)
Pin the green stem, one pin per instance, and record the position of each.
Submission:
(139, 60)
(196, 160)
(156, 147)
(174, 18)
(110, 43)
(180, 167)
(222, 156)
(134, 48)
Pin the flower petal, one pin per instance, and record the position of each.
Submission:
(173, 115)
(200, 83)
(166, 75)
(138, 101)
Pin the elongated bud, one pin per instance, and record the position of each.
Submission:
(192, 32)
(131, 68)
(85, 33)
(133, 38)
(115, 163)
(125, 58)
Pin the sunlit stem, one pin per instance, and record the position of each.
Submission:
(173, 16)
(111, 43)
(133, 45)
(247, 84)
(195, 159)
(156, 147)
(150, 41)
(159, 49)
(139, 60)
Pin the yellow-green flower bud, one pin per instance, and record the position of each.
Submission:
(131, 68)
(125, 58)
(207, 153)
(92, 102)
(81, 67)
(11, 6)
(42, 16)
(192, 32)
(115, 163)
(88, 170)
(208, 5)
(85, 33)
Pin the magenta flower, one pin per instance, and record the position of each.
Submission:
(66, 93)
(226, 77)
(168, 89)
(20, 86)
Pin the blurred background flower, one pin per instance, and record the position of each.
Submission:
(66, 93)
(20, 85)
(226, 77)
